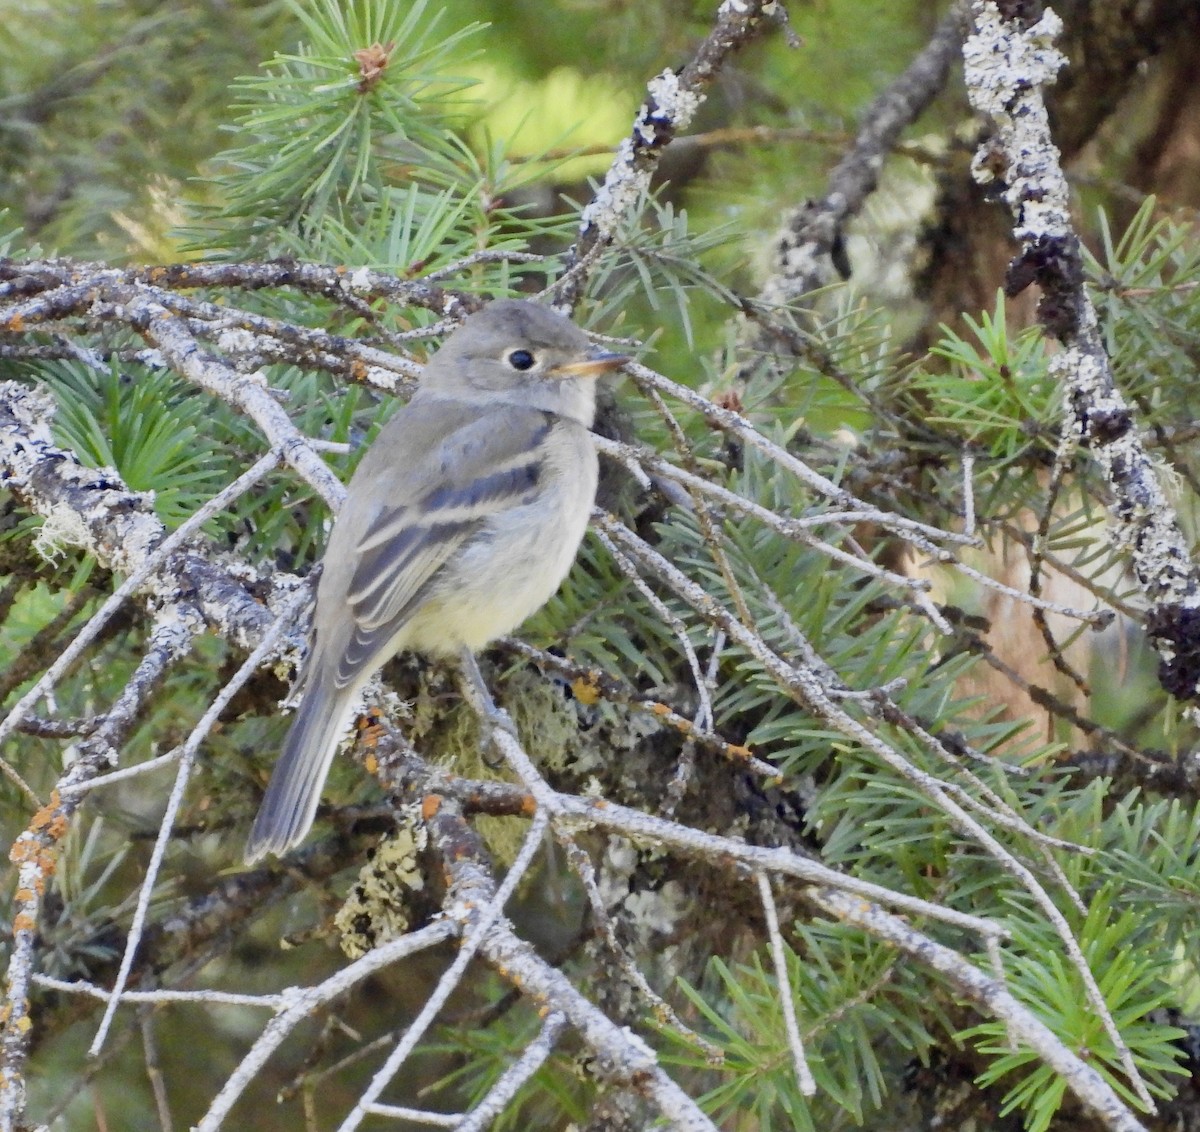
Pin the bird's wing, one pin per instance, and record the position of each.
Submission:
(435, 474)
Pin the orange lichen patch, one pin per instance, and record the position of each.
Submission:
(370, 722)
(16, 323)
(157, 275)
(358, 370)
(586, 689)
(50, 819)
(529, 805)
(370, 729)
(430, 805)
(23, 922)
(371, 763)
(30, 850)
(23, 849)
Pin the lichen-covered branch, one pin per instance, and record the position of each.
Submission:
(672, 99)
(64, 284)
(92, 509)
(620, 1055)
(35, 853)
(1009, 61)
(806, 250)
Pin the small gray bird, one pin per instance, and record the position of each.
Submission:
(461, 521)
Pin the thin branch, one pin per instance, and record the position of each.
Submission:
(686, 766)
(477, 926)
(246, 392)
(59, 281)
(91, 508)
(594, 681)
(805, 250)
(299, 1003)
(266, 648)
(602, 922)
(514, 1077)
(162, 997)
(786, 1001)
(672, 100)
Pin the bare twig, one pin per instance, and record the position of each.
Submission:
(187, 756)
(786, 1000)
(805, 249)
(299, 1003)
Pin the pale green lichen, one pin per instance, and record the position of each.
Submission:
(375, 910)
(61, 530)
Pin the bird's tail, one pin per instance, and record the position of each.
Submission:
(292, 795)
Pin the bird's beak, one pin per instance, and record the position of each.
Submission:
(597, 362)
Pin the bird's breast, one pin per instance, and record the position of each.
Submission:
(515, 563)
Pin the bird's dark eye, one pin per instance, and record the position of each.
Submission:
(521, 359)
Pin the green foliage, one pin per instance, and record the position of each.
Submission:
(1156, 850)
(164, 437)
(105, 113)
(10, 235)
(658, 257)
(553, 1097)
(282, 519)
(855, 1003)
(605, 621)
(997, 395)
(146, 424)
(1133, 979)
(325, 134)
(405, 227)
(90, 868)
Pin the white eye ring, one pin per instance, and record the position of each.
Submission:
(521, 359)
